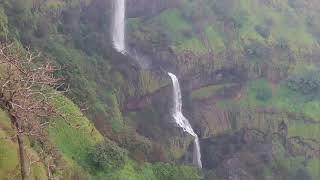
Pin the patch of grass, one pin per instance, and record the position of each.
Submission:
(299, 128)
(4, 120)
(193, 44)
(286, 23)
(216, 39)
(130, 172)
(209, 91)
(253, 96)
(291, 101)
(312, 110)
(282, 98)
(8, 156)
(288, 100)
(74, 135)
(313, 168)
(9, 160)
(172, 23)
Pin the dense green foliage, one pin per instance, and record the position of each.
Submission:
(171, 172)
(108, 156)
(305, 83)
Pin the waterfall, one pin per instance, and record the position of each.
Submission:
(118, 35)
(118, 38)
(118, 31)
(182, 121)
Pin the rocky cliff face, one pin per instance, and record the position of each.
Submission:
(219, 49)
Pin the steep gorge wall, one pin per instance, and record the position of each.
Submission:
(254, 57)
(213, 120)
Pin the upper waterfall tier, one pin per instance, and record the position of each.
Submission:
(118, 31)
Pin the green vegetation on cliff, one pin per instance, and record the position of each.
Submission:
(75, 139)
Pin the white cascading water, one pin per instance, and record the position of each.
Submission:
(182, 121)
(118, 34)
(118, 31)
(118, 37)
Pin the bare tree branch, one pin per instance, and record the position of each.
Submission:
(27, 91)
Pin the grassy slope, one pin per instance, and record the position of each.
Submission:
(209, 91)
(285, 23)
(74, 136)
(9, 167)
(71, 142)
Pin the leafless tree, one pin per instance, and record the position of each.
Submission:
(27, 88)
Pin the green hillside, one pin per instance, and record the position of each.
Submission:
(75, 138)
(249, 73)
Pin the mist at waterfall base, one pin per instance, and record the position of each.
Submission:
(118, 31)
(182, 121)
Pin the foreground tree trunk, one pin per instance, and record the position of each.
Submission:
(23, 169)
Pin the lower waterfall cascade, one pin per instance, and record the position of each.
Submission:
(182, 121)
